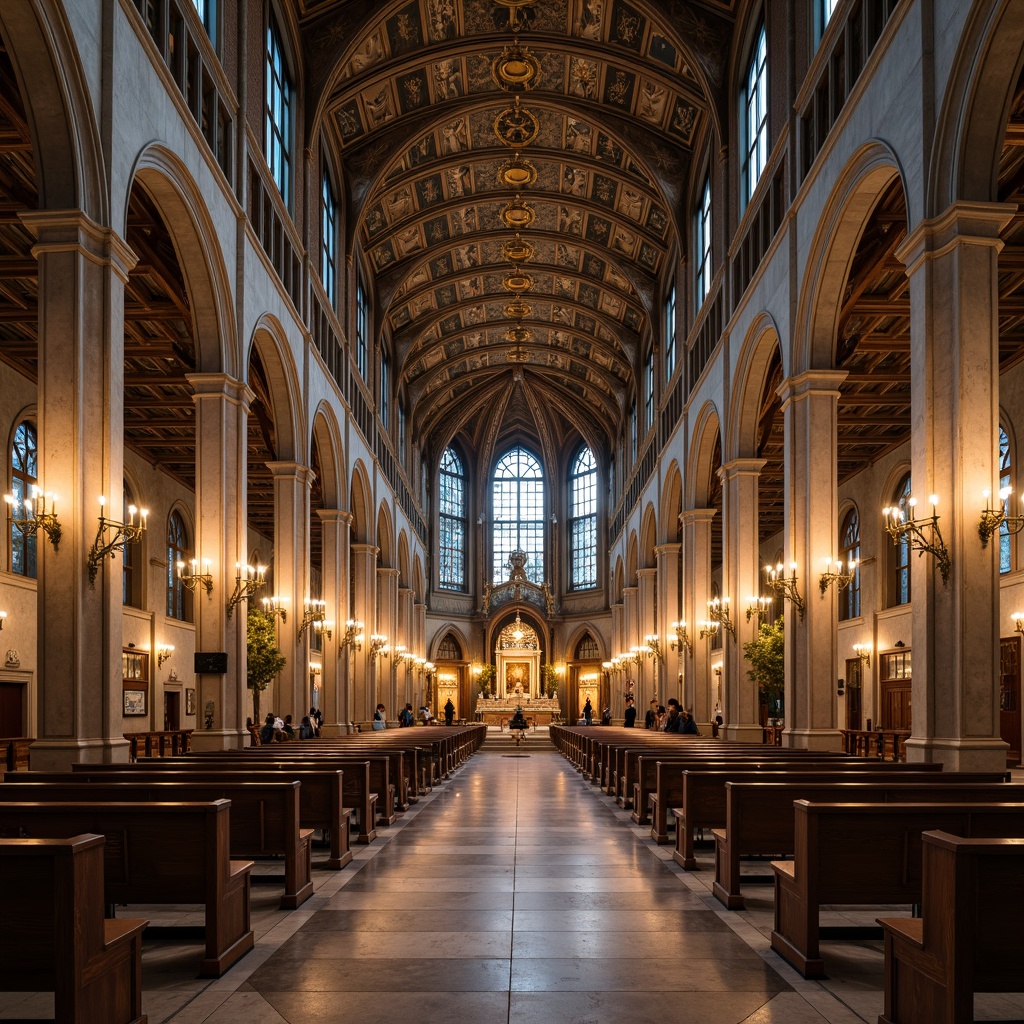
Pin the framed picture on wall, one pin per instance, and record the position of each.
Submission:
(190, 700)
(134, 702)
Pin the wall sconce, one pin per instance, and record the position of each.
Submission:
(653, 642)
(194, 580)
(759, 606)
(379, 645)
(314, 613)
(35, 515)
(863, 651)
(3, 618)
(717, 669)
(682, 640)
(993, 519)
(718, 615)
(838, 577)
(913, 530)
(785, 586)
(123, 533)
(274, 606)
(1018, 621)
(246, 584)
(352, 637)
(163, 652)
(315, 669)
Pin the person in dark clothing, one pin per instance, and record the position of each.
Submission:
(606, 716)
(267, 732)
(689, 725)
(588, 712)
(405, 717)
(517, 725)
(449, 712)
(630, 715)
(651, 718)
(306, 730)
(674, 722)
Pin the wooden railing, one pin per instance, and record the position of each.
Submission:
(158, 744)
(883, 744)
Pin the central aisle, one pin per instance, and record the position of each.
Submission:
(514, 895)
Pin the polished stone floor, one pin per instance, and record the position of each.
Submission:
(515, 892)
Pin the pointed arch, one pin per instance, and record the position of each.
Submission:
(648, 538)
(419, 583)
(580, 630)
(706, 435)
(441, 634)
(385, 537)
(619, 578)
(759, 346)
(404, 579)
(632, 559)
(270, 341)
(671, 504)
(360, 504)
(326, 439)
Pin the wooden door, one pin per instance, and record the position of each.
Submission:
(1009, 697)
(12, 711)
(853, 692)
(172, 710)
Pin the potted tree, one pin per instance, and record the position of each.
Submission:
(263, 659)
(550, 681)
(486, 678)
(766, 655)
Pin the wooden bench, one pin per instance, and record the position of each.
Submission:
(264, 815)
(58, 940)
(969, 937)
(325, 799)
(864, 855)
(158, 853)
(167, 743)
(668, 790)
(759, 815)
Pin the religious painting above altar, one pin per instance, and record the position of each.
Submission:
(517, 679)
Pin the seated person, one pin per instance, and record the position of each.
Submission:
(425, 714)
(518, 721)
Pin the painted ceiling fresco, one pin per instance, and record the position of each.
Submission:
(570, 127)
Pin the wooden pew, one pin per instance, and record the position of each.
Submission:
(968, 939)
(264, 815)
(158, 853)
(759, 816)
(58, 940)
(668, 789)
(864, 855)
(325, 799)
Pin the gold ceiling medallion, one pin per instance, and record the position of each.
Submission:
(516, 126)
(518, 310)
(518, 334)
(516, 250)
(517, 173)
(517, 215)
(515, 69)
(517, 282)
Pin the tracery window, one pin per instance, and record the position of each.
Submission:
(702, 245)
(849, 549)
(362, 329)
(670, 333)
(452, 523)
(518, 511)
(329, 240)
(278, 113)
(1005, 480)
(177, 548)
(583, 520)
(901, 561)
(649, 391)
(449, 649)
(587, 649)
(24, 472)
(755, 116)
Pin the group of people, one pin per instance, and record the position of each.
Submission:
(281, 730)
(406, 718)
(674, 718)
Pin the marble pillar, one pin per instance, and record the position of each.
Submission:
(700, 684)
(336, 698)
(667, 556)
(364, 608)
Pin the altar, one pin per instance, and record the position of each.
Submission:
(539, 711)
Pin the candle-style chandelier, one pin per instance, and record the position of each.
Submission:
(112, 536)
(784, 586)
(247, 582)
(35, 513)
(920, 534)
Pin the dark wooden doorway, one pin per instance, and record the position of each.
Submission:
(172, 709)
(1009, 697)
(12, 709)
(853, 694)
(895, 683)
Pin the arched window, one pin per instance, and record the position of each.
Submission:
(277, 127)
(518, 500)
(449, 649)
(702, 246)
(451, 557)
(583, 520)
(754, 126)
(177, 548)
(649, 391)
(670, 333)
(1005, 480)
(849, 550)
(901, 561)
(329, 240)
(587, 649)
(131, 559)
(24, 472)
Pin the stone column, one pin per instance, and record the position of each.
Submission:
(630, 628)
(388, 622)
(336, 707)
(668, 611)
(80, 401)
(419, 632)
(741, 556)
(700, 687)
(291, 579)
(810, 404)
(952, 263)
(650, 668)
(222, 411)
(364, 608)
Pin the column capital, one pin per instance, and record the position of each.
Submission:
(73, 231)
(668, 549)
(691, 516)
(364, 549)
(962, 223)
(646, 572)
(811, 382)
(291, 471)
(220, 385)
(385, 571)
(741, 467)
(335, 515)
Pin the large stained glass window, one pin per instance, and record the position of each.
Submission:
(24, 471)
(452, 524)
(583, 520)
(518, 511)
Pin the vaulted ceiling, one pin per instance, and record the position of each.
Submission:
(480, 137)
